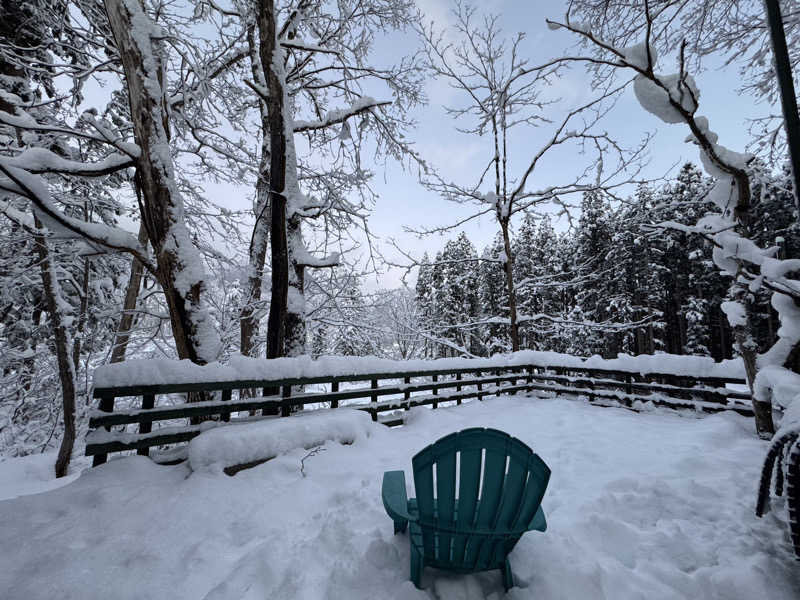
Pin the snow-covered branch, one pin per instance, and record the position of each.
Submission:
(336, 116)
(34, 188)
(39, 161)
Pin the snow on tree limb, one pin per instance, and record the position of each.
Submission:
(27, 122)
(40, 160)
(296, 44)
(32, 187)
(336, 116)
(675, 99)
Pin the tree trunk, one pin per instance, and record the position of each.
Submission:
(129, 306)
(508, 267)
(295, 344)
(82, 315)
(63, 345)
(277, 176)
(748, 348)
(180, 268)
(249, 316)
(84, 306)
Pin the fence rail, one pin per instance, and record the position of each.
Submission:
(277, 397)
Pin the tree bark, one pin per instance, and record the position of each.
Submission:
(748, 349)
(508, 267)
(248, 317)
(82, 315)
(295, 344)
(63, 345)
(277, 177)
(180, 270)
(128, 317)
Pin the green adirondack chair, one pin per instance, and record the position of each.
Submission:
(478, 490)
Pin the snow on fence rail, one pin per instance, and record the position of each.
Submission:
(134, 373)
(665, 380)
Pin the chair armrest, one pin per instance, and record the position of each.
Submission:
(538, 522)
(395, 498)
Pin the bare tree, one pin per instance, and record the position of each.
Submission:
(326, 67)
(503, 93)
(180, 270)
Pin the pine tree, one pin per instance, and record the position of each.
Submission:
(537, 266)
(493, 300)
(425, 298)
(685, 307)
(527, 268)
(458, 300)
(592, 244)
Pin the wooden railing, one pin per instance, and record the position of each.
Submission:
(386, 401)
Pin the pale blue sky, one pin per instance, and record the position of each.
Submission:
(404, 202)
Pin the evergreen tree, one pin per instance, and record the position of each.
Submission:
(686, 304)
(493, 299)
(538, 267)
(592, 244)
(425, 298)
(458, 299)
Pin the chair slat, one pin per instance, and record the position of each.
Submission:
(445, 499)
(538, 477)
(469, 479)
(423, 484)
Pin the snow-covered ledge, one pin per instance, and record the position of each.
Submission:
(248, 443)
(164, 371)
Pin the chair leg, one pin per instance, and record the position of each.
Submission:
(416, 567)
(508, 576)
(400, 526)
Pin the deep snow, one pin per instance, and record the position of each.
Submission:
(650, 505)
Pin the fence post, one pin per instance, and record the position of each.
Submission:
(266, 392)
(374, 399)
(334, 388)
(406, 393)
(435, 378)
(226, 397)
(286, 393)
(106, 404)
(148, 401)
(458, 389)
(480, 386)
(497, 383)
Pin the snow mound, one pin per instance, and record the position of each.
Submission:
(222, 447)
(32, 474)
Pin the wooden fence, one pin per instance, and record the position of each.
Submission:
(384, 396)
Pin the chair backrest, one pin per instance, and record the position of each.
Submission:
(477, 490)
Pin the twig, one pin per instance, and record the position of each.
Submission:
(313, 452)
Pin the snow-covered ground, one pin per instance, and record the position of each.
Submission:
(651, 505)
(30, 475)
